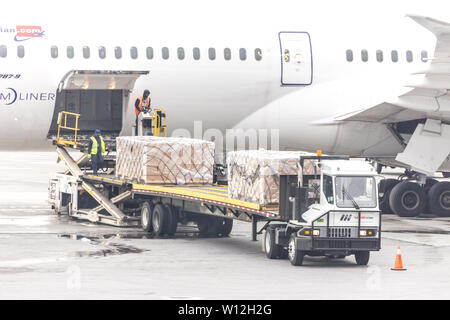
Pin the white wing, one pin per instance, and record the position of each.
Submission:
(428, 100)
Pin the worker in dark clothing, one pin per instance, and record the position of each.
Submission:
(96, 151)
(142, 104)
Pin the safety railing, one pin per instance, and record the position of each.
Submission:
(65, 121)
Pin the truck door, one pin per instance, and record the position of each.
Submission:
(296, 58)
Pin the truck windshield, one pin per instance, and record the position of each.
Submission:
(359, 190)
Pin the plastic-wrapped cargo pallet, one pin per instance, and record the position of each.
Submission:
(165, 160)
(255, 175)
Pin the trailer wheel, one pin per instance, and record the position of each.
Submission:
(69, 211)
(202, 225)
(172, 221)
(407, 199)
(439, 199)
(295, 256)
(146, 216)
(225, 226)
(384, 190)
(272, 249)
(159, 220)
(362, 257)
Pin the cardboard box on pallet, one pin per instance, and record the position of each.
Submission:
(165, 160)
(254, 175)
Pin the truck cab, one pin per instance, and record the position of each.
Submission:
(333, 211)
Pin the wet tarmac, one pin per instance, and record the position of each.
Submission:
(46, 256)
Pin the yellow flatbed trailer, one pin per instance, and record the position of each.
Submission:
(112, 197)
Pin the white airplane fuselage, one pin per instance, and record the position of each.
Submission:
(225, 94)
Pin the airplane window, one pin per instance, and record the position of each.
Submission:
(54, 51)
(165, 53)
(379, 55)
(349, 55)
(242, 54)
(134, 53)
(180, 53)
(20, 51)
(118, 52)
(86, 52)
(212, 53)
(258, 54)
(70, 52)
(394, 55)
(3, 51)
(149, 53)
(196, 53)
(102, 52)
(227, 53)
(424, 56)
(409, 56)
(364, 55)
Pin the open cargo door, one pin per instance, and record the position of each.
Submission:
(100, 96)
(100, 80)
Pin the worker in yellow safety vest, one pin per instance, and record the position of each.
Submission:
(96, 151)
(142, 104)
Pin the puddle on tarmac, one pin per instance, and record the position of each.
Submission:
(111, 248)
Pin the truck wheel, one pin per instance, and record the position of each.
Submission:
(439, 199)
(225, 226)
(295, 256)
(146, 216)
(384, 190)
(407, 199)
(159, 220)
(362, 257)
(172, 221)
(272, 249)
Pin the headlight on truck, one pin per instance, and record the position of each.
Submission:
(308, 231)
(367, 233)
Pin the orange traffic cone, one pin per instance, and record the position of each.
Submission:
(398, 261)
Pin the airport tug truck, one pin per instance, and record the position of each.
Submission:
(331, 211)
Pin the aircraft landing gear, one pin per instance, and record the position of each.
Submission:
(407, 199)
(439, 199)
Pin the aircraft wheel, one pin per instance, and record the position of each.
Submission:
(439, 199)
(384, 191)
(427, 187)
(407, 199)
